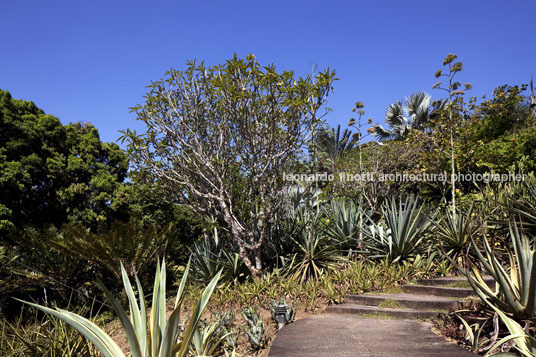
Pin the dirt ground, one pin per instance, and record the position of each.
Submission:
(115, 330)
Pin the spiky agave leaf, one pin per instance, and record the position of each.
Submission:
(92, 332)
(345, 225)
(515, 292)
(406, 224)
(456, 229)
(161, 339)
(195, 316)
(525, 343)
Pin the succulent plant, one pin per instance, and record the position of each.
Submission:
(156, 337)
(515, 292)
(255, 329)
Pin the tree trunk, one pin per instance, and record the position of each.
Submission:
(238, 236)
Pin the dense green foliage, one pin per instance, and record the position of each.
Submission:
(67, 213)
(52, 173)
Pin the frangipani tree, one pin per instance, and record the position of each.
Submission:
(221, 138)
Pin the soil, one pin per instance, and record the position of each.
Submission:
(115, 330)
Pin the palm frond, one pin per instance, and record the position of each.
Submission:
(395, 114)
(381, 132)
(417, 107)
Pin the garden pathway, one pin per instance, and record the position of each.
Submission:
(332, 335)
(378, 324)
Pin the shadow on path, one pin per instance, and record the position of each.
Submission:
(346, 335)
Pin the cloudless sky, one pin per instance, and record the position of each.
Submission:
(90, 61)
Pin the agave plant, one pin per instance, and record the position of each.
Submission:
(455, 230)
(207, 339)
(525, 343)
(316, 254)
(515, 292)
(522, 202)
(255, 330)
(155, 337)
(208, 258)
(473, 333)
(206, 261)
(225, 322)
(508, 200)
(345, 217)
(405, 228)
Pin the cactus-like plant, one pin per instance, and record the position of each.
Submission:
(255, 329)
(345, 225)
(156, 337)
(225, 322)
(515, 292)
(525, 342)
(207, 339)
(406, 223)
(456, 229)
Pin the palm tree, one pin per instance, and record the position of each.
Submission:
(328, 146)
(403, 117)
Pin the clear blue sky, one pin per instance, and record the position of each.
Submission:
(91, 60)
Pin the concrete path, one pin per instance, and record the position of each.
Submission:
(332, 335)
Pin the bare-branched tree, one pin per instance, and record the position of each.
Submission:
(222, 137)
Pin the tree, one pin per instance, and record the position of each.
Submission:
(403, 117)
(328, 147)
(500, 133)
(222, 137)
(51, 173)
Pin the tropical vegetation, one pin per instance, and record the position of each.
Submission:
(203, 188)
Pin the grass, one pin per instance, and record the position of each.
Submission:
(390, 304)
(392, 290)
(471, 298)
(376, 315)
(459, 284)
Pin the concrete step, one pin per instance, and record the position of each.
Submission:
(455, 280)
(424, 300)
(412, 301)
(438, 290)
(378, 312)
